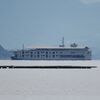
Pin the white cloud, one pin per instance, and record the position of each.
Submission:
(90, 1)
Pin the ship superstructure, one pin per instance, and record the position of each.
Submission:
(54, 53)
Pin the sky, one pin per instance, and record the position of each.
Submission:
(45, 22)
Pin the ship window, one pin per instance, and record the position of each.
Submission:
(53, 52)
(15, 55)
(56, 52)
(72, 56)
(22, 52)
(37, 52)
(42, 51)
(73, 52)
(31, 52)
(61, 52)
(31, 55)
(56, 55)
(53, 56)
(26, 52)
(38, 56)
(46, 56)
(46, 52)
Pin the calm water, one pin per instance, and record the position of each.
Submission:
(50, 84)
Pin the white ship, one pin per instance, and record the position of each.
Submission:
(54, 53)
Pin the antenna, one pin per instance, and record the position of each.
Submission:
(63, 44)
(23, 46)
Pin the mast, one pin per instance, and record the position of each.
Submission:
(62, 44)
(23, 47)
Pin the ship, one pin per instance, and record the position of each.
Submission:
(73, 52)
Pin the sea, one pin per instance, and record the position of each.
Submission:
(50, 84)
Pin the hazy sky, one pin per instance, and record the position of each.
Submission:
(45, 22)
